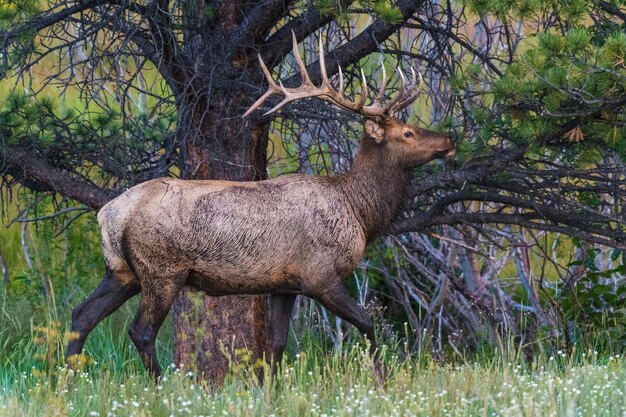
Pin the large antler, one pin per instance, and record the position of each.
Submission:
(328, 93)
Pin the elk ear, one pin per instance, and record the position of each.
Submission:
(374, 130)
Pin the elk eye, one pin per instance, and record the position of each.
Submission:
(408, 134)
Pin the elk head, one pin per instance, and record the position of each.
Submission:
(406, 145)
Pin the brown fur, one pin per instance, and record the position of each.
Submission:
(295, 234)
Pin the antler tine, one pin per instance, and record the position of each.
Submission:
(341, 86)
(413, 77)
(322, 61)
(327, 90)
(381, 92)
(273, 88)
(421, 84)
(288, 97)
(258, 103)
(364, 90)
(411, 96)
(308, 89)
(389, 109)
(306, 81)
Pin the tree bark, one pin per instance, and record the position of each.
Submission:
(212, 332)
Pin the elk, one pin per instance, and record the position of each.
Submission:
(294, 234)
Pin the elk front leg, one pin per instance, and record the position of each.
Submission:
(280, 315)
(337, 299)
(115, 289)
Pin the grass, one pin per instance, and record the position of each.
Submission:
(311, 383)
(335, 386)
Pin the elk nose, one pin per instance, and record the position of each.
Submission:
(450, 148)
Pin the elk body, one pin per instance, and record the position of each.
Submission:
(295, 234)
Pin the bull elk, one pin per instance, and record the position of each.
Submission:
(295, 234)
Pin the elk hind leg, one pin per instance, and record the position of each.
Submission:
(114, 290)
(153, 308)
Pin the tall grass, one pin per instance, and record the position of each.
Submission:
(316, 383)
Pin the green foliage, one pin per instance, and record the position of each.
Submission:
(104, 135)
(69, 257)
(209, 11)
(551, 43)
(544, 88)
(327, 7)
(381, 9)
(613, 52)
(387, 12)
(384, 10)
(572, 10)
(577, 40)
(593, 302)
(572, 72)
(523, 9)
(12, 11)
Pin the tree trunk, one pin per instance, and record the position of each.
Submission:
(210, 332)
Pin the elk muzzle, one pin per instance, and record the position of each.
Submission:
(448, 151)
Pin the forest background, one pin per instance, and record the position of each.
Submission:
(515, 246)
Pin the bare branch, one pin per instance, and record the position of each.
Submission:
(57, 180)
(351, 52)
